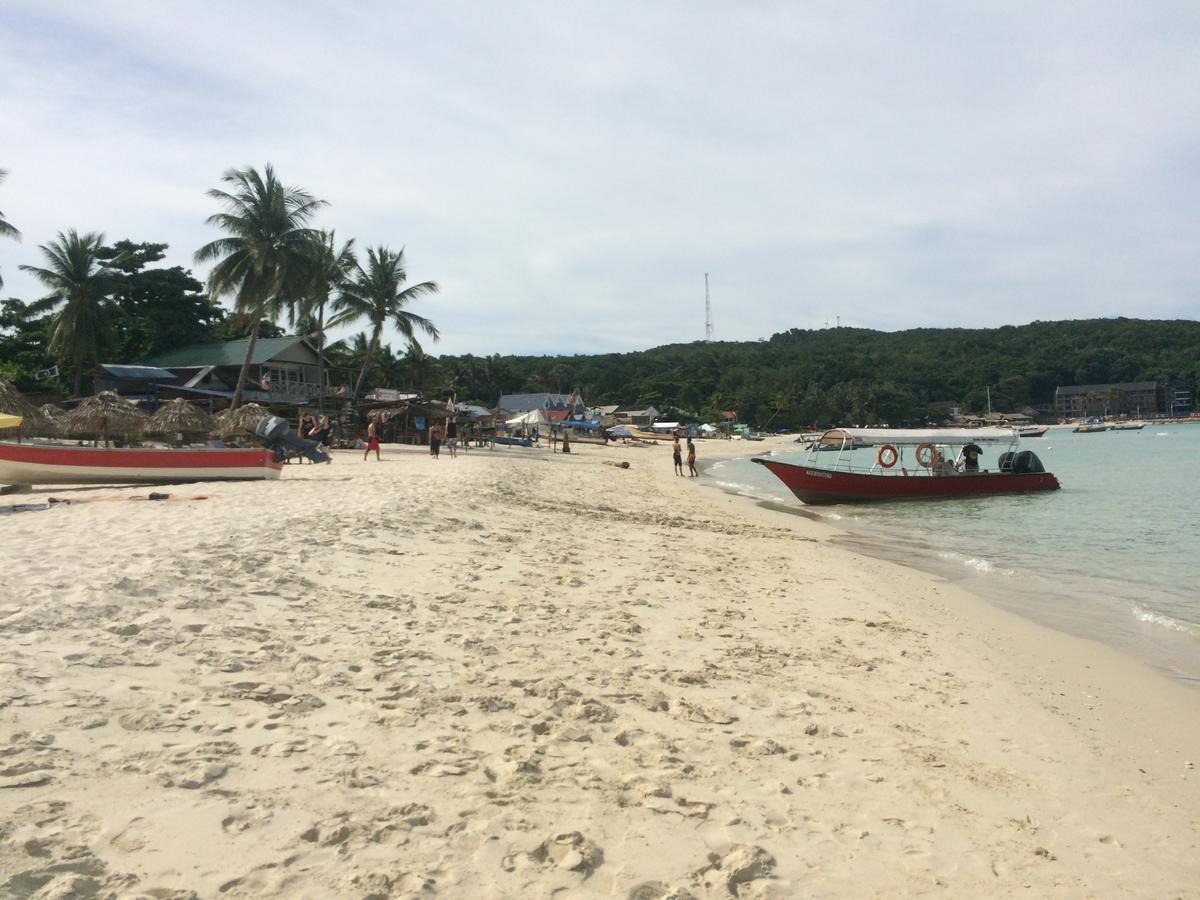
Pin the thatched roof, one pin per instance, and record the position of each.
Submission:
(53, 421)
(239, 421)
(179, 416)
(15, 404)
(106, 413)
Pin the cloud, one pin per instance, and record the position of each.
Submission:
(568, 173)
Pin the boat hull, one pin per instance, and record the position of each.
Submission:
(817, 486)
(65, 464)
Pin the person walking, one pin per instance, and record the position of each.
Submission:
(372, 441)
(452, 437)
(691, 449)
(677, 455)
(435, 440)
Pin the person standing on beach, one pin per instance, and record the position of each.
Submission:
(691, 448)
(435, 440)
(452, 437)
(372, 441)
(677, 454)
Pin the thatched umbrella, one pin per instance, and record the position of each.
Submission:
(178, 416)
(13, 403)
(53, 421)
(239, 421)
(106, 414)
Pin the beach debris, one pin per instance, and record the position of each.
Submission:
(623, 464)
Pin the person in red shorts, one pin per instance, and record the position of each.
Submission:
(372, 440)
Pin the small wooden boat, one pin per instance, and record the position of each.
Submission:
(938, 470)
(36, 462)
(1089, 429)
(1127, 426)
(1035, 431)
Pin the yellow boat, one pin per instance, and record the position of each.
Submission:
(7, 421)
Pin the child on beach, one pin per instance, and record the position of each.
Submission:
(677, 455)
(691, 448)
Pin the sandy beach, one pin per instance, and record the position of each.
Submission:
(517, 674)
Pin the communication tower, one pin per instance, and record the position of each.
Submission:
(708, 326)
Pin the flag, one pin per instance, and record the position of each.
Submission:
(265, 383)
(341, 391)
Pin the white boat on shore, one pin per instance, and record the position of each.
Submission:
(36, 462)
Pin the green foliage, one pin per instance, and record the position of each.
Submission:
(854, 376)
(264, 261)
(377, 293)
(160, 309)
(80, 289)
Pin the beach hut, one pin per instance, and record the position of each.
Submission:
(181, 419)
(106, 415)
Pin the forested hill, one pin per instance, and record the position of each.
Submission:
(851, 374)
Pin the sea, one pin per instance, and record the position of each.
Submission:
(1114, 556)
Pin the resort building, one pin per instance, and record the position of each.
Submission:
(283, 370)
(1139, 398)
(555, 407)
(639, 417)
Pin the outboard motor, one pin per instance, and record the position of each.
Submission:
(1025, 462)
(277, 435)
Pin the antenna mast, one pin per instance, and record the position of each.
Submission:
(708, 326)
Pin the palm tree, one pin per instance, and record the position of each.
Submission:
(377, 294)
(263, 261)
(78, 280)
(330, 272)
(7, 230)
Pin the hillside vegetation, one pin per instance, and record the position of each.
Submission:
(852, 375)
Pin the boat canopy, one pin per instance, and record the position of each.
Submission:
(7, 421)
(903, 437)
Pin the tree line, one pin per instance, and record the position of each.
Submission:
(853, 376)
(104, 299)
(110, 299)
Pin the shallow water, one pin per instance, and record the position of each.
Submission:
(1113, 556)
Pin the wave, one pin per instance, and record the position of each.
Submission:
(1152, 618)
(978, 563)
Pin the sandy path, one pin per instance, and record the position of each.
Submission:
(515, 675)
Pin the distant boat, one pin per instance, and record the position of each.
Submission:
(1034, 431)
(1127, 426)
(1089, 429)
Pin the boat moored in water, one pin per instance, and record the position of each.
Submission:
(945, 464)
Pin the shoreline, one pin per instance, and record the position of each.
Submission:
(517, 673)
(1168, 650)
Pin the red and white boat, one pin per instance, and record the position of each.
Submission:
(911, 465)
(36, 462)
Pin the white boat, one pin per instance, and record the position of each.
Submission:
(35, 462)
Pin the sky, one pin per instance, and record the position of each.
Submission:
(568, 172)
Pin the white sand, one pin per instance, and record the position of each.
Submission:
(517, 675)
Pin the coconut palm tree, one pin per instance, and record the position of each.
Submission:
(7, 230)
(330, 273)
(264, 260)
(377, 294)
(81, 284)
